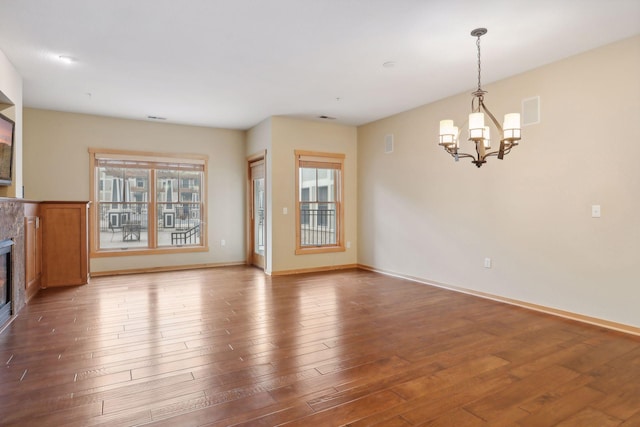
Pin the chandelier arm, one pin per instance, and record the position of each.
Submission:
(497, 152)
(507, 149)
(491, 154)
(456, 155)
(501, 151)
(492, 117)
(478, 161)
(463, 155)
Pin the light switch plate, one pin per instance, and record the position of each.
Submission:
(595, 211)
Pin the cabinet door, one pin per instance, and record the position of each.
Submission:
(65, 243)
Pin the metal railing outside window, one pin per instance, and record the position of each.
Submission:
(317, 224)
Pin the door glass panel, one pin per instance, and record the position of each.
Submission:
(258, 221)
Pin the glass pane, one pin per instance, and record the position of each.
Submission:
(318, 224)
(318, 184)
(123, 207)
(308, 174)
(258, 203)
(178, 195)
(167, 187)
(323, 194)
(190, 186)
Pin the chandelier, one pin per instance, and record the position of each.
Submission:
(480, 134)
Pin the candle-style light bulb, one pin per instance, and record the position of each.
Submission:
(448, 132)
(487, 137)
(476, 126)
(511, 127)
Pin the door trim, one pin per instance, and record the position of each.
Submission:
(249, 255)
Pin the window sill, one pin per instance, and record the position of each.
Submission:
(319, 250)
(158, 251)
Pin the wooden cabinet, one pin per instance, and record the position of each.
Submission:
(65, 243)
(32, 249)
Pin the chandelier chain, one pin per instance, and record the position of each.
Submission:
(479, 68)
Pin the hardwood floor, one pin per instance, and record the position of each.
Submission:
(229, 346)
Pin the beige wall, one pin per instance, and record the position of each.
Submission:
(56, 167)
(289, 135)
(11, 106)
(423, 215)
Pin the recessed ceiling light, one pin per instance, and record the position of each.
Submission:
(156, 118)
(326, 117)
(389, 64)
(67, 59)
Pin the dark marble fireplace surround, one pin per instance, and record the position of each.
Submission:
(12, 227)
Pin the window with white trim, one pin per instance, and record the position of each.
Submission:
(144, 202)
(319, 208)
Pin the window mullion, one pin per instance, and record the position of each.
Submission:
(153, 217)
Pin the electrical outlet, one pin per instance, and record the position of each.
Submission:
(487, 263)
(223, 242)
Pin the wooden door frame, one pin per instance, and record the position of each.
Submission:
(262, 155)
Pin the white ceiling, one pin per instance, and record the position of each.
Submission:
(233, 63)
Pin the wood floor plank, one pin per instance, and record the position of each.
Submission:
(429, 406)
(350, 411)
(231, 346)
(634, 420)
(458, 417)
(624, 402)
(559, 409)
(393, 422)
(590, 417)
(494, 405)
(271, 415)
(434, 402)
(373, 372)
(201, 411)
